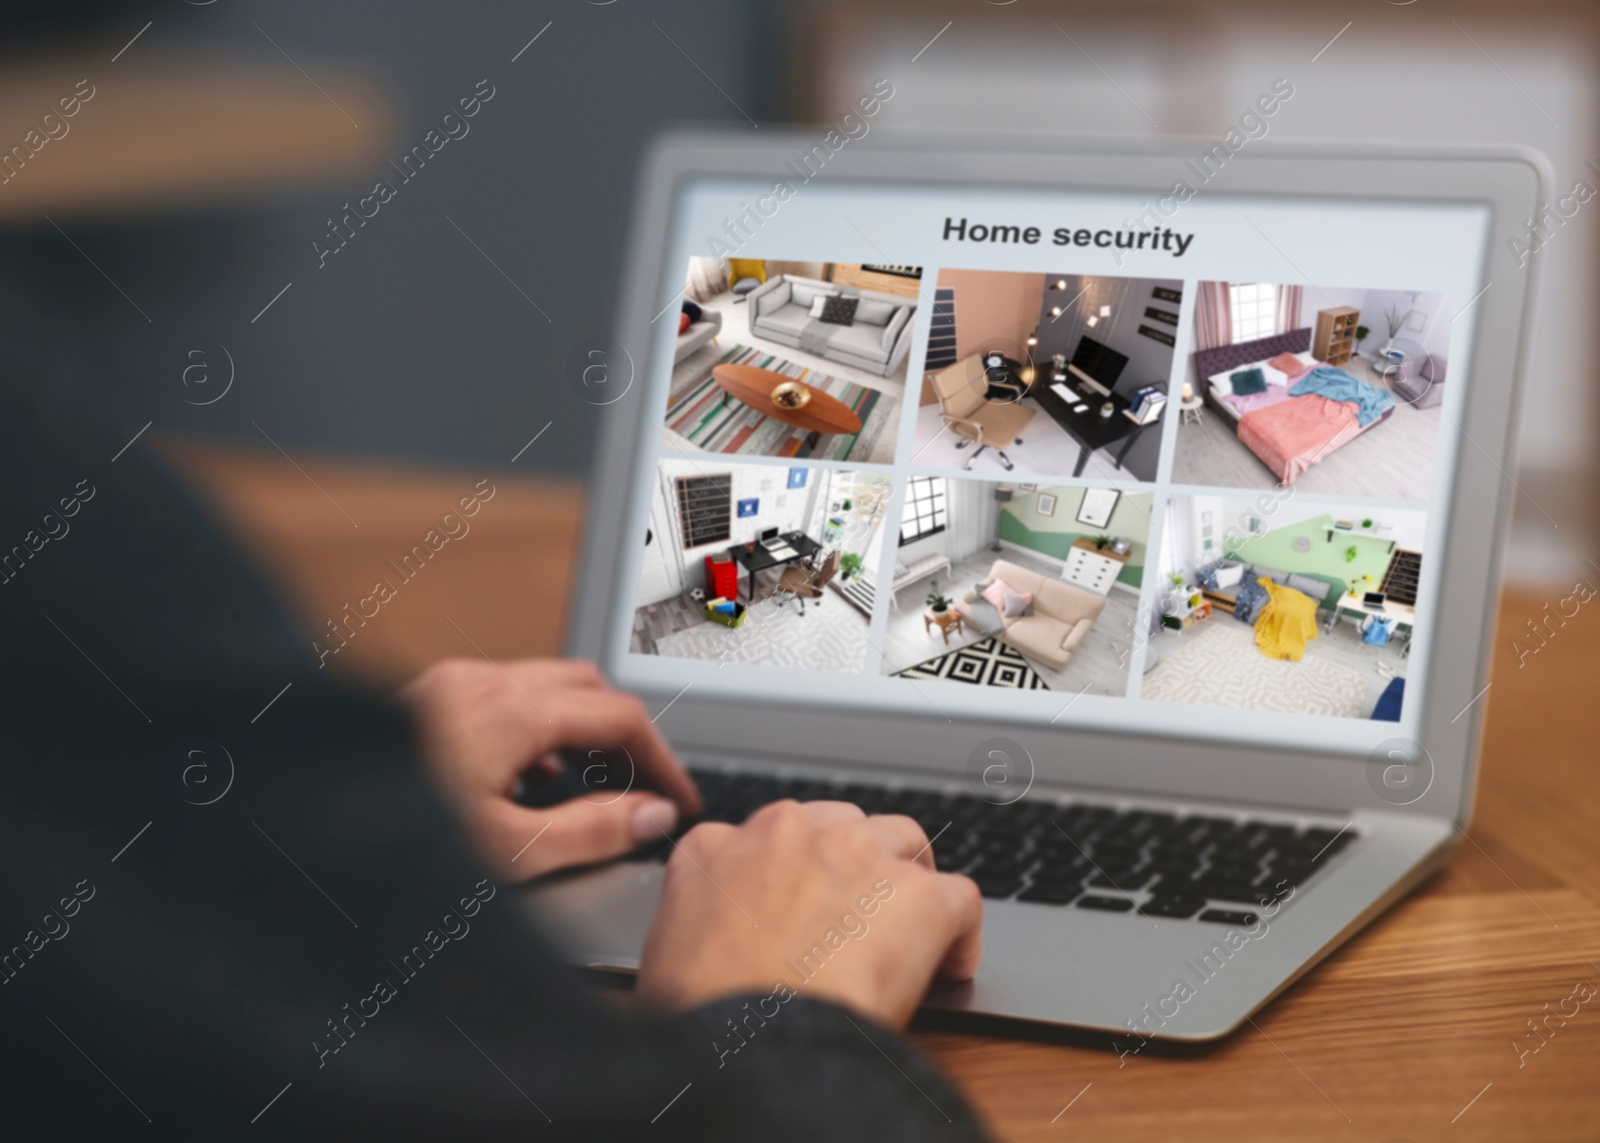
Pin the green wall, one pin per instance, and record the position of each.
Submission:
(1325, 560)
(1021, 524)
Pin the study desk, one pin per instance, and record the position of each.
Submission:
(755, 559)
(1404, 1033)
(1357, 609)
(1089, 428)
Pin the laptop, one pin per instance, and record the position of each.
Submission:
(771, 539)
(1169, 824)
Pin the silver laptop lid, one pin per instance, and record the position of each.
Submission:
(1266, 263)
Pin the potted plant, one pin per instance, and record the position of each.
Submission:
(1366, 525)
(850, 565)
(1350, 554)
(938, 602)
(1101, 542)
(1362, 333)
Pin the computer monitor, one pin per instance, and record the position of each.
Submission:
(1101, 362)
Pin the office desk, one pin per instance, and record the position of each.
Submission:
(1088, 428)
(1393, 1037)
(757, 559)
(1357, 610)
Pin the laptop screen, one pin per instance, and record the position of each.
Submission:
(1191, 553)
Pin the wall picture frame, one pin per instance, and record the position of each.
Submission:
(797, 477)
(749, 507)
(1097, 506)
(1045, 504)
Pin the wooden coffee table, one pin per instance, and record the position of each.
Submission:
(948, 620)
(753, 387)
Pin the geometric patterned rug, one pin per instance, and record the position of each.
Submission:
(987, 663)
(830, 637)
(696, 413)
(1220, 666)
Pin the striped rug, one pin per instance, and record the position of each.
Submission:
(696, 413)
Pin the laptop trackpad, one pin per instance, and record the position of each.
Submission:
(599, 917)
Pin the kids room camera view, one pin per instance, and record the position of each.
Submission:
(792, 359)
(1021, 586)
(1331, 391)
(1047, 373)
(1297, 607)
(760, 563)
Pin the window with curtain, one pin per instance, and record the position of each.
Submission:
(1255, 311)
(926, 511)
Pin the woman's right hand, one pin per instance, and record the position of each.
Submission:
(818, 896)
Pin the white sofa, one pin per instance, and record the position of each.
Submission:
(877, 341)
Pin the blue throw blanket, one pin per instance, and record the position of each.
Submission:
(1248, 600)
(1337, 385)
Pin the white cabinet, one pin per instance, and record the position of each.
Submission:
(1090, 569)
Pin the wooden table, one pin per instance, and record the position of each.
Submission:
(948, 620)
(1405, 1033)
(753, 386)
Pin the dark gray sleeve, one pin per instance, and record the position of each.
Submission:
(229, 906)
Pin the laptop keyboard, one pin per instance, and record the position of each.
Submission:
(1083, 854)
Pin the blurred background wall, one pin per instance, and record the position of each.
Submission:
(444, 331)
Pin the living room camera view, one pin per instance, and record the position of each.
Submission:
(1047, 373)
(760, 563)
(1029, 587)
(1335, 392)
(1305, 609)
(792, 359)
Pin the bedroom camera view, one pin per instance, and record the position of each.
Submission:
(1060, 374)
(1022, 586)
(1302, 608)
(1332, 391)
(760, 563)
(792, 359)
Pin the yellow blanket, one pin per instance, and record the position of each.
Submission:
(1286, 621)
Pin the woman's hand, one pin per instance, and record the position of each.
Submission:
(818, 898)
(482, 725)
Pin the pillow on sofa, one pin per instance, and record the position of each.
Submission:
(1017, 605)
(693, 310)
(1281, 578)
(1228, 576)
(683, 323)
(1248, 381)
(839, 311)
(1315, 588)
(996, 594)
(869, 312)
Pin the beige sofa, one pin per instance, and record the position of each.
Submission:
(1062, 614)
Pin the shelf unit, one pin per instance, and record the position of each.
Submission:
(705, 509)
(1401, 580)
(1330, 531)
(1335, 339)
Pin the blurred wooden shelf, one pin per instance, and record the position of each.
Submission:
(1391, 1038)
(164, 132)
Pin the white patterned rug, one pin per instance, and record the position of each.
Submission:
(832, 637)
(986, 663)
(1220, 666)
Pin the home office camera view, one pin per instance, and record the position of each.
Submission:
(1064, 494)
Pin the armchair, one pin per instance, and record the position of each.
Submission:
(967, 411)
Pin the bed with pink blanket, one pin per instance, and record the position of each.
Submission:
(1287, 433)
